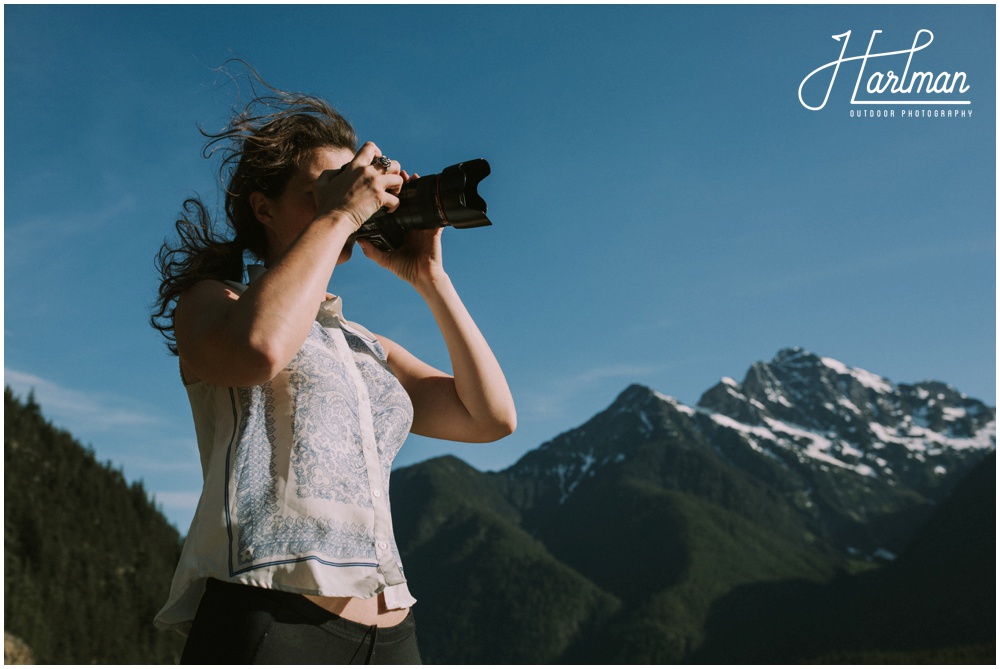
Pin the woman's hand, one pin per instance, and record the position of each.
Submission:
(359, 189)
(418, 261)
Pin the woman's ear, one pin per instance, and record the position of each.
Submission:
(261, 206)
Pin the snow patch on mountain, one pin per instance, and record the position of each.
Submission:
(807, 408)
(570, 475)
(797, 440)
(919, 438)
(647, 426)
(864, 377)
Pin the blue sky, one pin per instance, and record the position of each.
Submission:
(665, 209)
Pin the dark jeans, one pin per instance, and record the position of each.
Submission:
(241, 624)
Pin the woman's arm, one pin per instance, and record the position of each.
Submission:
(474, 405)
(230, 340)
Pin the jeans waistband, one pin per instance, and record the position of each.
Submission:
(267, 599)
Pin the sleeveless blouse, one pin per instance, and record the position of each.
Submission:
(296, 476)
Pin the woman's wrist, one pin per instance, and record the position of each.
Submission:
(432, 283)
(339, 219)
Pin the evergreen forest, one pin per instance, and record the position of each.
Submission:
(87, 557)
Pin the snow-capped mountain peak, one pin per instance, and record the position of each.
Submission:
(846, 447)
(806, 410)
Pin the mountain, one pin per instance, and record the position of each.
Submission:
(648, 531)
(87, 557)
(864, 458)
(491, 587)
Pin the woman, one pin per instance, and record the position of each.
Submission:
(299, 412)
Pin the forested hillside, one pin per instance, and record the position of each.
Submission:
(87, 557)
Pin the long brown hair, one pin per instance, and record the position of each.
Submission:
(261, 148)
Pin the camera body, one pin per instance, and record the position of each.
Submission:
(434, 201)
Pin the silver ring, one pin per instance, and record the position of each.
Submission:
(382, 161)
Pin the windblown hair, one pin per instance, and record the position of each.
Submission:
(262, 147)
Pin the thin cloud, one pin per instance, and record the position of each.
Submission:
(28, 239)
(853, 266)
(560, 395)
(608, 372)
(188, 465)
(178, 501)
(94, 411)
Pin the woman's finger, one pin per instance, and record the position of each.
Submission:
(366, 154)
(390, 201)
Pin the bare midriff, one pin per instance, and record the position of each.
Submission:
(370, 611)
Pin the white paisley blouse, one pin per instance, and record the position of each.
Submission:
(296, 476)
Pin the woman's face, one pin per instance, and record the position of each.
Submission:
(295, 208)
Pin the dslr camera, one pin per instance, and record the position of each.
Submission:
(434, 201)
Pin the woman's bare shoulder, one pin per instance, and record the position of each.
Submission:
(208, 292)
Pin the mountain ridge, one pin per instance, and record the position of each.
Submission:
(677, 522)
(829, 426)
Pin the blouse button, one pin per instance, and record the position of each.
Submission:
(383, 545)
(376, 493)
